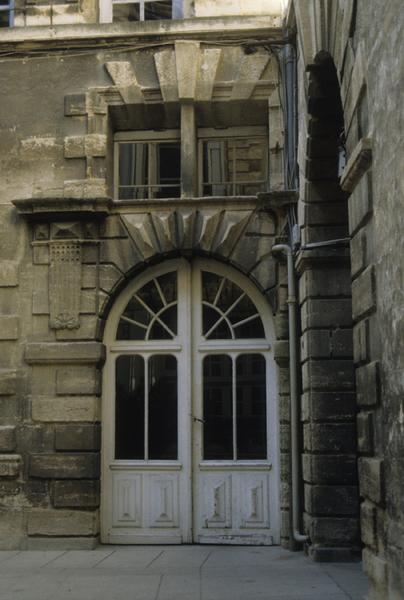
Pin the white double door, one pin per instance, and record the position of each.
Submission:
(190, 451)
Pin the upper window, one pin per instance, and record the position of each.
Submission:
(6, 13)
(230, 162)
(234, 161)
(148, 168)
(123, 11)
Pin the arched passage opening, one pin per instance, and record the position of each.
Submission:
(324, 268)
(190, 434)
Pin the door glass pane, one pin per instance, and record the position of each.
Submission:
(217, 408)
(129, 407)
(251, 407)
(163, 419)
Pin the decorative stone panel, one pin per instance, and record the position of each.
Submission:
(64, 285)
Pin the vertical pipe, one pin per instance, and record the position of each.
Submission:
(294, 413)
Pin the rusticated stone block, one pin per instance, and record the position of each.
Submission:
(368, 384)
(64, 466)
(95, 145)
(368, 524)
(8, 273)
(322, 282)
(363, 294)
(9, 328)
(7, 439)
(10, 465)
(66, 408)
(75, 494)
(327, 469)
(75, 105)
(326, 313)
(74, 146)
(62, 522)
(64, 352)
(330, 437)
(375, 568)
(338, 531)
(323, 343)
(8, 382)
(371, 480)
(361, 341)
(358, 253)
(328, 375)
(76, 380)
(326, 406)
(281, 352)
(360, 204)
(11, 528)
(77, 437)
(331, 500)
(365, 432)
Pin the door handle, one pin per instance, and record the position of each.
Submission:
(199, 420)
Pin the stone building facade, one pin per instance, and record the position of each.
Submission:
(152, 155)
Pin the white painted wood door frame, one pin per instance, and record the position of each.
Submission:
(188, 477)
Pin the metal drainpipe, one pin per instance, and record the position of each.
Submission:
(294, 415)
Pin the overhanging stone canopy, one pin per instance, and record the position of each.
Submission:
(120, 238)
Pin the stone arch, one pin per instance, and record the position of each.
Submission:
(324, 269)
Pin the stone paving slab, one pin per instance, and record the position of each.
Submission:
(176, 573)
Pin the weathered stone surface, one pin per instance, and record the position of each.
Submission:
(66, 408)
(8, 273)
(328, 406)
(75, 494)
(358, 252)
(365, 429)
(363, 293)
(374, 567)
(11, 527)
(331, 499)
(75, 105)
(10, 465)
(7, 438)
(320, 343)
(330, 437)
(64, 466)
(326, 313)
(361, 341)
(324, 283)
(329, 469)
(8, 382)
(360, 204)
(341, 531)
(368, 524)
(77, 437)
(371, 480)
(64, 352)
(368, 384)
(328, 375)
(62, 522)
(76, 380)
(9, 327)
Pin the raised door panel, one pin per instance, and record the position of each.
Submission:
(216, 501)
(127, 500)
(163, 499)
(253, 501)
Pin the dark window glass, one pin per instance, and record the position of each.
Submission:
(161, 9)
(251, 329)
(251, 407)
(169, 170)
(217, 408)
(129, 407)
(210, 286)
(168, 286)
(133, 158)
(150, 295)
(163, 428)
(229, 294)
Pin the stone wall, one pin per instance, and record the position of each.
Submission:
(364, 40)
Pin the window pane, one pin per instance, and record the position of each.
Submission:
(168, 286)
(133, 168)
(129, 407)
(251, 407)
(151, 296)
(217, 408)
(210, 286)
(163, 428)
(158, 10)
(169, 170)
(122, 13)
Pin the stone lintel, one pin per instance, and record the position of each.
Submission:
(358, 163)
(64, 352)
(57, 208)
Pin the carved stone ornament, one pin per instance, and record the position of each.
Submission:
(64, 284)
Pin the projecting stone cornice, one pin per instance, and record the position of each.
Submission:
(130, 35)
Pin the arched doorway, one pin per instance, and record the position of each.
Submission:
(190, 451)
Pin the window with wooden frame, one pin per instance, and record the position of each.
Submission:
(6, 13)
(147, 165)
(233, 161)
(123, 11)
